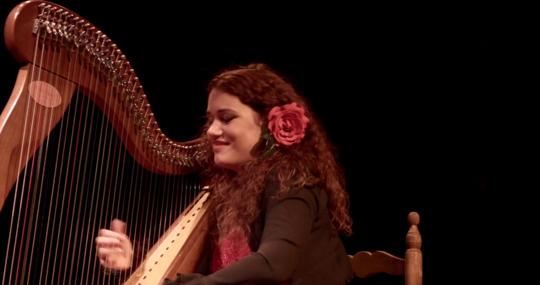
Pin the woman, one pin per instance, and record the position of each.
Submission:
(278, 193)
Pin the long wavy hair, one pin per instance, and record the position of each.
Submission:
(238, 195)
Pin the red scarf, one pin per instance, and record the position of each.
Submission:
(229, 250)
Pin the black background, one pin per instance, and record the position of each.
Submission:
(417, 100)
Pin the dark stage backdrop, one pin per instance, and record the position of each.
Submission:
(406, 97)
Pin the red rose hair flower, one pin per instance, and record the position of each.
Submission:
(287, 123)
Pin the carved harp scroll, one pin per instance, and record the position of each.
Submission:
(62, 54)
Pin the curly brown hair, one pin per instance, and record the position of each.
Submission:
(237, 196)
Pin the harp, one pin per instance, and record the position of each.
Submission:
(79, 146)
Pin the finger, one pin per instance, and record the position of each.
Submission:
(102, 241)
(107, 263)
(126, 247)
(118, 226)
(104, 252)
(109, 233)
(109, 252)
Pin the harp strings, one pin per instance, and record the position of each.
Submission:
(77, 182)
(19, 210)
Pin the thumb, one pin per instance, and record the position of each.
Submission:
(118, 226)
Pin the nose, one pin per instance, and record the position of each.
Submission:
(214, 130)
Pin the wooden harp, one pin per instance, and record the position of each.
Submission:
(79, 145)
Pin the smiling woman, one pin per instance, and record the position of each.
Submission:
(234, 129)
(428, 118)
(274, 215)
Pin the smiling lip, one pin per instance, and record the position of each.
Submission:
(219, 144)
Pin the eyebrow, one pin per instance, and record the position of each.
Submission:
(222, 112)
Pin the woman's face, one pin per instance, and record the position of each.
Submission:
(234, 129)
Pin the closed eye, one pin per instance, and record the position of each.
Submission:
(223, 116)
(226, 115)
(226, 118)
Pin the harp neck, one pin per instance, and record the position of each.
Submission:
(84, 55)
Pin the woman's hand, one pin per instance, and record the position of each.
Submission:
(113, 247)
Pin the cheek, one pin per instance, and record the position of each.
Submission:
(244, 144)
(243, 138)
(254, 137)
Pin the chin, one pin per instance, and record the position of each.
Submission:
(222, 163)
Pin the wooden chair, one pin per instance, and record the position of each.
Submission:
(365, 263)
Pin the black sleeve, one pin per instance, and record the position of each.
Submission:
(287, 226)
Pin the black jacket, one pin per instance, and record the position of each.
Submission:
(296, 244)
